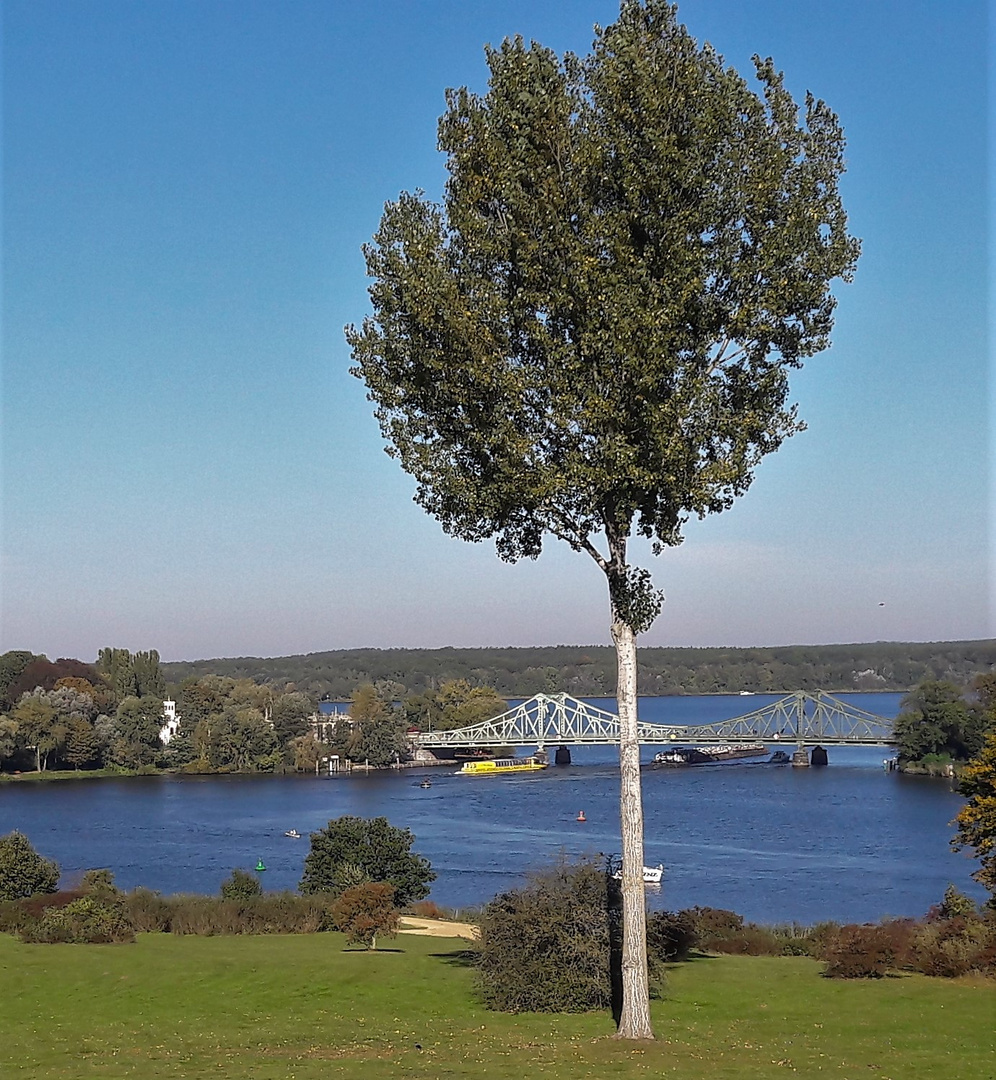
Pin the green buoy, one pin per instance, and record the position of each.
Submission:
(260, 866)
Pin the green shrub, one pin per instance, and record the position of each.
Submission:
(671, 935)
(14, 917)
(954, 946)
(953, 904)
(553, 945)
(148, 911)
(99, 883)
(273, 913)
(85, 921)
(241, 885)
(23, 871)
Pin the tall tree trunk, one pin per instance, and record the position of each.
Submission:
(634, 1021)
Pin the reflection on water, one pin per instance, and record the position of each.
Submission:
(849, 842)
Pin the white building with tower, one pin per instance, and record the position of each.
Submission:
(171, 722)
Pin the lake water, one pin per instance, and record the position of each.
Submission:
(849, 842)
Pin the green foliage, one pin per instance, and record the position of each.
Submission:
(955, 904)
(954, 946)
(590, 670)
(39, 728)
(937, 721)
(552, 945)
(595, 327)
(365, 912)
(291, 712)
(375, 731)
(100, 883)
(12, 664)
(90, 920)
(374, 846)
(671, 935)
(23, 871)
(132, 675)
(241, 885)
(976, 821)
(137, 723)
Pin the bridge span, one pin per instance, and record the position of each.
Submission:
(800, 719)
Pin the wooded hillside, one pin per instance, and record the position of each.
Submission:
(590, 670)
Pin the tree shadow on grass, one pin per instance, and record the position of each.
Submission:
(373, 952)
(466, 958)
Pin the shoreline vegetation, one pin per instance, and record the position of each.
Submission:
(126, 715)
(589, 670)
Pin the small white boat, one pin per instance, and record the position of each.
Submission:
(651, 874)
(293, 834)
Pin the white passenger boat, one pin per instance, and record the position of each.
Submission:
(651, 874)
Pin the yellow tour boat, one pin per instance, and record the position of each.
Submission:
(501, 765)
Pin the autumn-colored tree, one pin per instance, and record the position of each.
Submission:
(365, 912)
(976, 821)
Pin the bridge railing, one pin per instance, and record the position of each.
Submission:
(559, 719)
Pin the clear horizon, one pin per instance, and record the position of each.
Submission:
(188, 466)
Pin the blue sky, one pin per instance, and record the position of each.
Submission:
(187, 464)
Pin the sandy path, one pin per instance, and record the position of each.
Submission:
(414, 924)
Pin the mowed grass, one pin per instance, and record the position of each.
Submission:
(307, 1007)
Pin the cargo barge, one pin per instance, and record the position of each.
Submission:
(679, 756)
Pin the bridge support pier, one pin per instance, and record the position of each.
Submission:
(562, 756)
(800, 759)
(818, 757)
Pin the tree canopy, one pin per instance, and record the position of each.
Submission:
(376, 849)
(594, 329)
(936, 721)
(23, 872)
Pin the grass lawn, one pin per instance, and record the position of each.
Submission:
(305, 1007)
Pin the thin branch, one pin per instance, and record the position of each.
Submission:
(720, 359)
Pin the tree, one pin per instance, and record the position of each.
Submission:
(377, 734)
(137, 724)
(463, 704)
(82, 744)
(23, 872)
(935, 720)
(38, 726)
(291, 715)
(132, 675)
(241, 885)
(976, 821)
(8, 737)
(363, 912)
(374, 846)
(12, 664)
(591, 336)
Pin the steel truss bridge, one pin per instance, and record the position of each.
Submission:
(799, 718)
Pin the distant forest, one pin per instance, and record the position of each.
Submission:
(589, 671)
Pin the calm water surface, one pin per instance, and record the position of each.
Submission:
(849, 842)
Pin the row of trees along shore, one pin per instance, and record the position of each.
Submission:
(590, 670)
(68, 714)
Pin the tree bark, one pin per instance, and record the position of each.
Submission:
(634, 1021)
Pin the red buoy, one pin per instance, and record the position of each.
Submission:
(581, 816)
